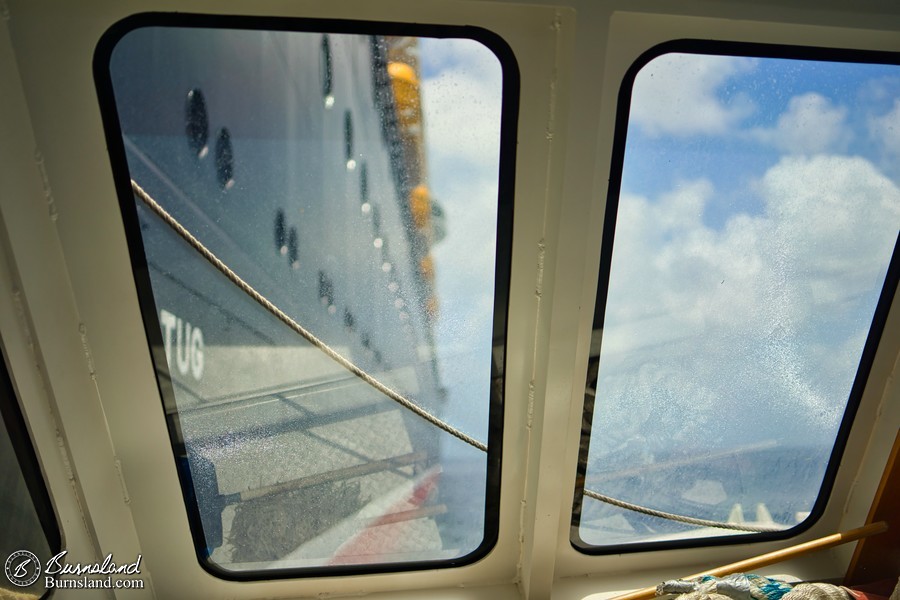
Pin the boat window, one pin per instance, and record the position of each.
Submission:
(753, 214)
(327, 72)
(225, 159)
(30, 531)
(348, 140)
(197, 123)
(364, 184)
(280, 235)
(324, 416)
(293, 257)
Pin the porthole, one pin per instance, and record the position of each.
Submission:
(327, 70)
(280, 234)
(326, 290)
(292, 249)
(364, 184)
(224, 159)
(197, 123)
(348, 140)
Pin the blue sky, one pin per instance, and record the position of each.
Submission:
(751, 96)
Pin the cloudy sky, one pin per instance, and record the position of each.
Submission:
(758, 212)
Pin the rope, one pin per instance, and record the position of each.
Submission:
(369, 379)
(294, 325)
(739, 586)
(817, 591)
(703, 596)
(675, 517)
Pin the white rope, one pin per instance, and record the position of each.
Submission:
(817, 591)
(674, 517)
(369, 379)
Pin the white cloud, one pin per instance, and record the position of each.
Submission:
(462, 106)
(750, 331)
(886, 130)
(811, 125)
(880, 91)
(833, 213)
(679, 94)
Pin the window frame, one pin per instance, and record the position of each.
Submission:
(876, 328)
(29, 465)
(149, 311)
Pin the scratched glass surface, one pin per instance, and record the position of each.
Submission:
(345, 178)
(758, 212)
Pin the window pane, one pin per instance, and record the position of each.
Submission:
(756, 218)
(27, 523)
(347, 178)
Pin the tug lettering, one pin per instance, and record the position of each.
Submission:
(188, 356)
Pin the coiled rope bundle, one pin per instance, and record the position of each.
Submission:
(749, 587)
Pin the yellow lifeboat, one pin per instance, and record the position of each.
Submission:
(408, 104)
(420, 207)
(405, 84)
(426, 267)
(432, 306)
